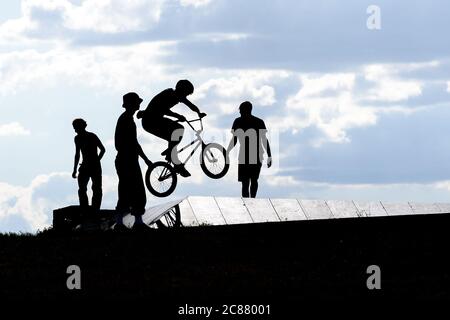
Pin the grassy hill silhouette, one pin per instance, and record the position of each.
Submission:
(285, 261)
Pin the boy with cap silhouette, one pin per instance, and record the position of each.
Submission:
(132, 198)
(87, 143)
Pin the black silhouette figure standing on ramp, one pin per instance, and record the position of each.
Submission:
(251, 132)
(132, 198)
(88, 144)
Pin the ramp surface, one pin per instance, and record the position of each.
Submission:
(197, 210)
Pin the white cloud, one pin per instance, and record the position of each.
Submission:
(114, 16)
(442, 185)
(29, 203)
(390, 88)
(13, 129)
(438, 191)
(220, 36)
(328, 103)
(316, 85)
(7, 196)
(448, 86)
(103, 16)
(195, 3)
(107, 16)
(281, 181)
(136, 66)
(35, 203)
(336, 102)
(241, 85)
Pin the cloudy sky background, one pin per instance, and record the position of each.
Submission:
(354, 113)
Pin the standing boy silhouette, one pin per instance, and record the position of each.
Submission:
(251, 133)
(132, 198)
(88, 144)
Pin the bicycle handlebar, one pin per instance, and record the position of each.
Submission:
(194, 120)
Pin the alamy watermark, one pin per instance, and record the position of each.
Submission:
(374, 19)
(374, 280)
(74, 280)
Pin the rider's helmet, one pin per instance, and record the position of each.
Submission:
(184, 87)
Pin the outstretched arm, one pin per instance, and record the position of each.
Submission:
(76, 160)
(191, 106)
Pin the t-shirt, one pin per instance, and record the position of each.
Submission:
(249, 131)
(88, 143)
(125, 137)
(161, 103)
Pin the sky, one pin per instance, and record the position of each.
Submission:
(354, 111)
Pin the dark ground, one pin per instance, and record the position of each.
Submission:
(264, 263)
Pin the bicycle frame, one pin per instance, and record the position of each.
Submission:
(197, 140)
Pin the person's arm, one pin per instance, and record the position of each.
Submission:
(232, 144)
(191, 106)
(76, 160)
(266, 146)
(234, 139)
(102, 149)
(143, 155)
(140, 114)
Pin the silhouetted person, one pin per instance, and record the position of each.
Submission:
(132, 198)
(251, 132)
(155, 122)
(88, 144)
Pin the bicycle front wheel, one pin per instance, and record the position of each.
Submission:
(171, 219)
(214, 161)
(160, 179)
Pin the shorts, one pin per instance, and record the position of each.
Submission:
(248, 171)
(161, 127)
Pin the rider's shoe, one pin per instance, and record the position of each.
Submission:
(181, 170)
(166, 153)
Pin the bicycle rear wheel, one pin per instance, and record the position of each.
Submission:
(214, 160)
(160, 179)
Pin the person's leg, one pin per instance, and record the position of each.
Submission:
(253, 187)
(256, 170)
(245, 188)
(176, 135)
(244, 180)
(168, 130)
(97, 192)
(139, 198)
(83, 179)
(123, 202)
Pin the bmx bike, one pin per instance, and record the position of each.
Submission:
(161, 176)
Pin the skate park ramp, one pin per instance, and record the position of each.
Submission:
(199, 210)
